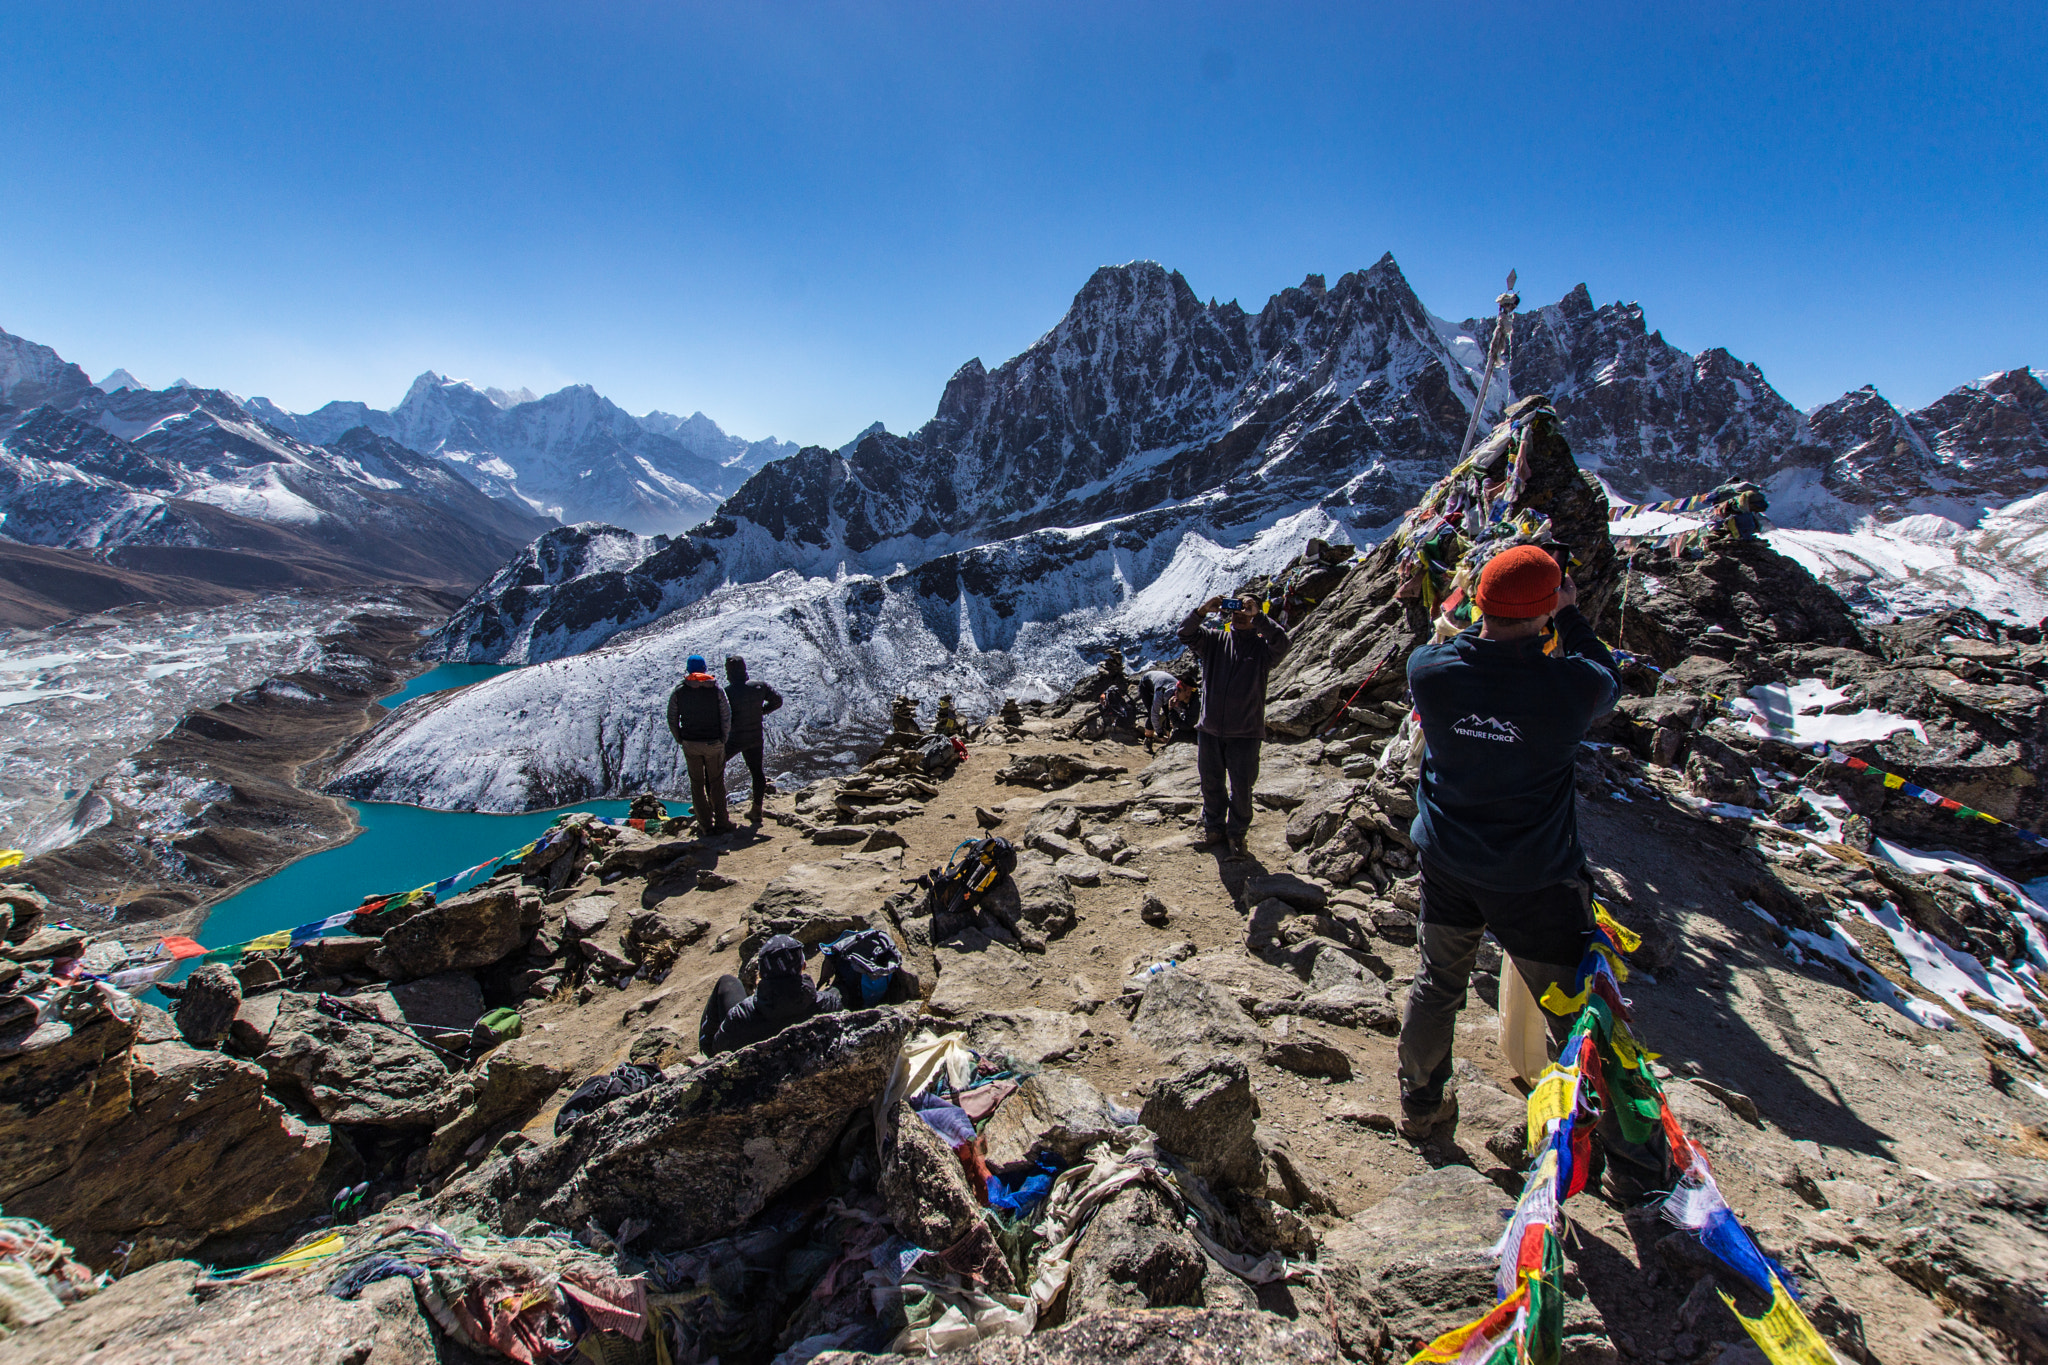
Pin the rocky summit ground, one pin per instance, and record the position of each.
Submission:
(1218, 1029)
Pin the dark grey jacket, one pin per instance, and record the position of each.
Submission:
(1234, 668)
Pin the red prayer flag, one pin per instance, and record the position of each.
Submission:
(180, 947)
(1947, 804)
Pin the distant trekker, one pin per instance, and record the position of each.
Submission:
(748, 702)
(1497, 824)
(700, 717)
(1235, 661)
(1155, 689)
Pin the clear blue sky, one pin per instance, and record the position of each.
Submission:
(801, 218)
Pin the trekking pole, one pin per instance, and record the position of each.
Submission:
(1503, 324)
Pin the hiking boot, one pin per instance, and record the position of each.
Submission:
(1240, 844)
(754, 814)
(1209, 838)
(1424, 1119)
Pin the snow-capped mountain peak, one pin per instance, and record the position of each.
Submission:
(118, 380)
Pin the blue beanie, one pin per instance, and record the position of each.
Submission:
(695, 664)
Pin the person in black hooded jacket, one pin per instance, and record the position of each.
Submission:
(783, 996)
(750, 701)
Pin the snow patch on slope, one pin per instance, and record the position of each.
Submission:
(837, 648)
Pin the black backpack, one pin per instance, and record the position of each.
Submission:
(976, 865)
(863, 963)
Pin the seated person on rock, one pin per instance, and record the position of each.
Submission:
(783, 996)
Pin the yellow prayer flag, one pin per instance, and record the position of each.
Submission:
(1783, 1334)
(1557, 1002)
(1554, 1097)
(1894, 781)
(1625, 938)
(269, 943)
(10, 856)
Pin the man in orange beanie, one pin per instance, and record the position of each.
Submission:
(1497, 822)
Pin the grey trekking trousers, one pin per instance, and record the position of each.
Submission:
(1429, 1021)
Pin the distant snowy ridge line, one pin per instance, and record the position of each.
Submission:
(838, 649)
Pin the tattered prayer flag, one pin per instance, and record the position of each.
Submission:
(1451, 1346)
(1783, 1334)
(9, 857)
(1553, 1099)
(1557, 1002)
(180, 947)
(1625, 938)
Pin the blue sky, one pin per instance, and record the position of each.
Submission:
(802, 218)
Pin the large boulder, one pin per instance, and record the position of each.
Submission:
(1172, 1336)
(158, 1315)
(923, 1186)
(465, 933)
(1183, 1017)
(1136, 1254)
(1034, 903)
(1981, 1245)
(506, 1089)
(358, 1071)
(157, 1144)
(699, 1154)
(1417, 1263)
(1208, 1118)
(1052, 1111)
(207, 1005)
(1027, 1036)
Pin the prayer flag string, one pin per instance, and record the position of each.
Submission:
(179, 948)
(1601, 1069)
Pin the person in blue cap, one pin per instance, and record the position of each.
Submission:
(700, 718)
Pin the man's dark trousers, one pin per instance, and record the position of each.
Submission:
(1544, 934)
(1226, 762)
(756, 771)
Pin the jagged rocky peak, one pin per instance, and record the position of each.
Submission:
(1978, 445)
(1652, 419)
(32, 375)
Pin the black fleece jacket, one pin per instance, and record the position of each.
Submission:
(1234, 667)
(1504, 722)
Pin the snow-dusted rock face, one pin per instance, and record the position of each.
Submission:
(187, 482)
(1144, 402)
(31, 375)
(573, 455)
(1651, 420)
(1020, 618)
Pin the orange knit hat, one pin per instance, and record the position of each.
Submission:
(1520, 583)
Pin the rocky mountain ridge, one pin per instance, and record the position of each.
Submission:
(572, 455)
(1120, 469)
(185, 484)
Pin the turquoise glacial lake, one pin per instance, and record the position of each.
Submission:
(396, 849)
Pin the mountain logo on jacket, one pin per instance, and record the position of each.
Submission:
(1476, 726)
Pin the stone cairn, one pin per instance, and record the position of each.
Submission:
(948, 720)
(1013, 714)
(904, 731)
